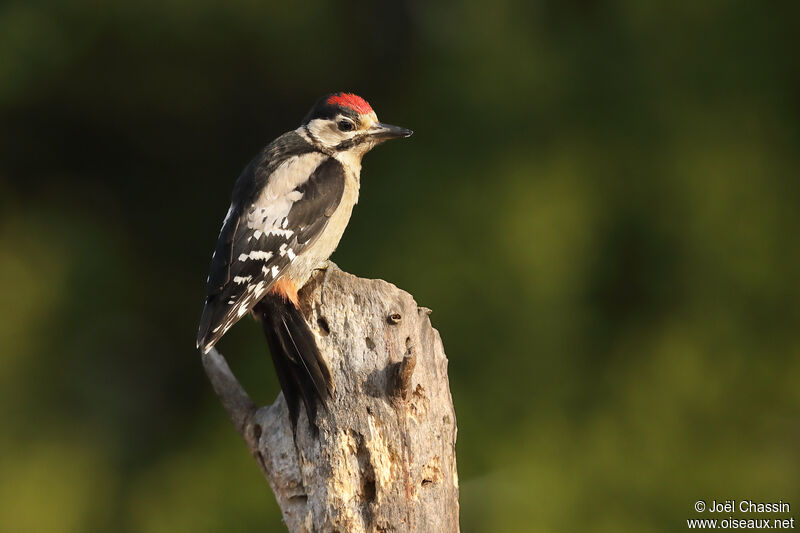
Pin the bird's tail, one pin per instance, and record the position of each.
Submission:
(298, 362)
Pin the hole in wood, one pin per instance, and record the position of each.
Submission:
(324, 328)
(368, 489)
(394, 318)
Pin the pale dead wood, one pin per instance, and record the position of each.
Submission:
(384, 459)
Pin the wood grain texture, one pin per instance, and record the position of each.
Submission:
(384, 459)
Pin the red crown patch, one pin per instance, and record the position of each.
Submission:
(353, 101)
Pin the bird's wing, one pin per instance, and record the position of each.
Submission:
(262, 236)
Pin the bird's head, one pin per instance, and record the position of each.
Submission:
(345, 122)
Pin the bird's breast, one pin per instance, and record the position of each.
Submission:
(301, 269)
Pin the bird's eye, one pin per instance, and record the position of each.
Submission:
(345, 125)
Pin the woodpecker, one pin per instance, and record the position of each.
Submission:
(289, 209)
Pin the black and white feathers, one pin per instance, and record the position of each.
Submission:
(281, 206)
(290, 208)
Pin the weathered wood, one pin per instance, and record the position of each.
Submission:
(384, 459)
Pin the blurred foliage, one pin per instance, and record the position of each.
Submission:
(600, 203)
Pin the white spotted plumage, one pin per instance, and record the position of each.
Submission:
(269, 211)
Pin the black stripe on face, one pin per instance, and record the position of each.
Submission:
(313, 139)
(354, 141)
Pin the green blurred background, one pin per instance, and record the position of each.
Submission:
(600, 204)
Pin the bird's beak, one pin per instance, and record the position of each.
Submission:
(384, 132)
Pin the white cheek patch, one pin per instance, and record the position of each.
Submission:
(326, 133)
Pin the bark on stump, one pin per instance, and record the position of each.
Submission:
(384, 459)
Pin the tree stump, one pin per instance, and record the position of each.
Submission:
(384, 458)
